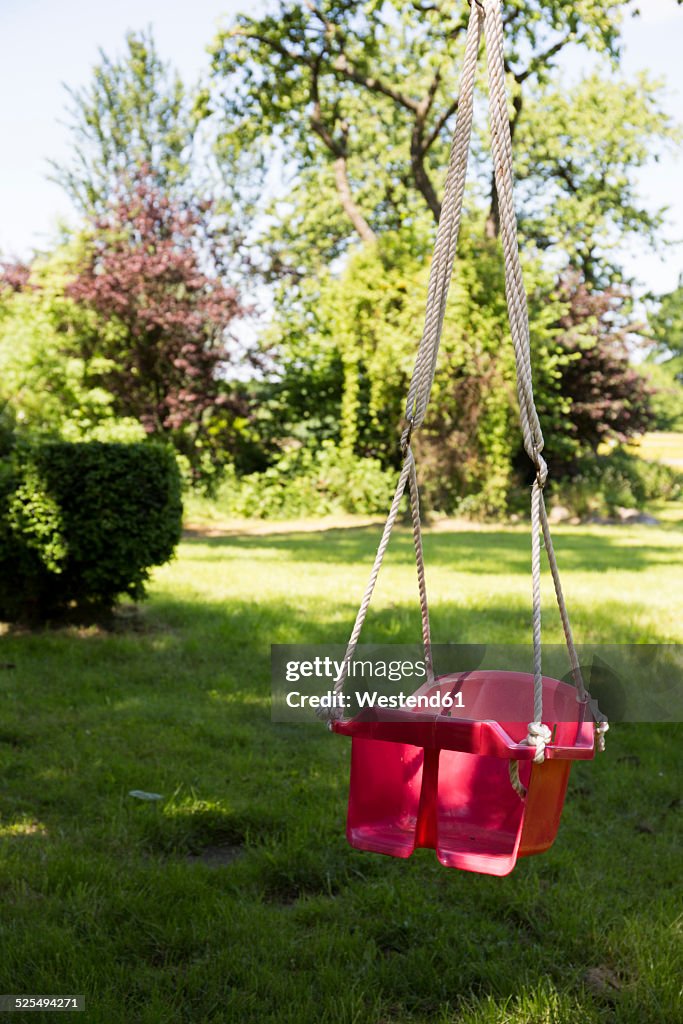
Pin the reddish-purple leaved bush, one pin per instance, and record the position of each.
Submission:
(152, 270)
(14, 275)
(610, 399)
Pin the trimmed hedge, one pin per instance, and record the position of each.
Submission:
(82, 524)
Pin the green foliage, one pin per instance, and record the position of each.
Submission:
(121, 332)
(83, 523)
(618, 480)
(340, 88)
(355, 341)
(371, 315)
(336, 89)
(472, 435)
(45, 379)
(666, 327)
(576, 151)
(664, 368)
(666, 386)
(8, 427)
(374, 87)
(309, 482)
(350, 349)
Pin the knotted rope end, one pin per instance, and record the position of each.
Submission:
(600, 730)
(538, 736)
(515, 781)
(330, 715)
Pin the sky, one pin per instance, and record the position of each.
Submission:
(45, 44)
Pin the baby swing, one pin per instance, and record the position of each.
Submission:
(475, 783)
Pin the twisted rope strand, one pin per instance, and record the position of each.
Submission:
(447, 232)
(486, 15)
(335, 712)
(419, 562)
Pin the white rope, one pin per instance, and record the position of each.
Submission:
(515, 781)
(419, 561)
(601, 728)
(501, 148)
(486, 15)
(501, 151)
(564, 614)
(425, 363)
(447, 233)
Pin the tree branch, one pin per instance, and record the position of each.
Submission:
(421, 111)
(339, 151)
(342, 65)
(440, 125)
(349, 205)
(418, 149)
(274, 45)
(427, 103)
(347, 69)
(420, 176)
(567, 177)
(517, 106)
(492, 229)
(538, 60)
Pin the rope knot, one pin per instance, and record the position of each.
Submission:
(407, 435)
(540, 464)
(600, 729)
(330, 715)
(541, 471)
(538, 735)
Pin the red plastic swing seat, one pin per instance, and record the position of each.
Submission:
(440, 779)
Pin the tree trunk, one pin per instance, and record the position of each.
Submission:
(349, 205)
(420, 175)
(492, 229)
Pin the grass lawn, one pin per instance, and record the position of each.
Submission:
(236, 898)
(659, 446)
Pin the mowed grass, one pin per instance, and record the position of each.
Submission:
(236, 898)
(660, 446)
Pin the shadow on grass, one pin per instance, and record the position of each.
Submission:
(467, 551)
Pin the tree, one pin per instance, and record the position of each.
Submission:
(576, 153)
(597, 396)
(135, 111)
(667, 393)
(666, 328)
(663, 368)
(165, 317)
(348, 354)
(46, 385)
(14, 277)
(361, 100)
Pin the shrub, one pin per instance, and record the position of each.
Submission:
(307, 482)
(81, 524)
(618, 480)
(667, 392)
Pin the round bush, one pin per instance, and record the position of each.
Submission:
(81, 524)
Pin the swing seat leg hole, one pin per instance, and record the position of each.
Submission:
(405, 797)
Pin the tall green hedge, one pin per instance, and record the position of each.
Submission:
(81, 524)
